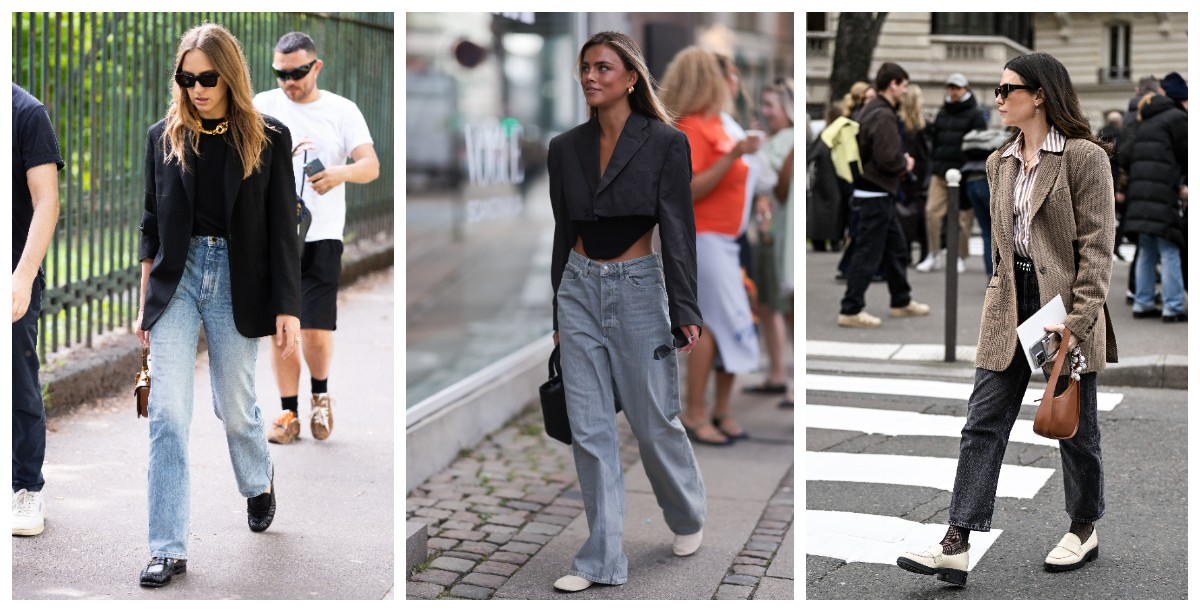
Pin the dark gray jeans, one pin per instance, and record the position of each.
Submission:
(991, 412)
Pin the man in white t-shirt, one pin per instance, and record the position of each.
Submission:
(329, 128)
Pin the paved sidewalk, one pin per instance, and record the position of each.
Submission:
(332, 537)
(506, 518)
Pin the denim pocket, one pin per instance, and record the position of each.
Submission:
(570, 272)
(645, 278)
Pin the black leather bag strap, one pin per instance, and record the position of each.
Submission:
(554, 365)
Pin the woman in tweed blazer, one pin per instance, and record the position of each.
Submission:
(1052, 234)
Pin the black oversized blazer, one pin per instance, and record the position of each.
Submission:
(650, 174)
(260, 214)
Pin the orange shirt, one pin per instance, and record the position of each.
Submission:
(720, 211)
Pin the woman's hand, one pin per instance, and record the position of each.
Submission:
(692, 332)
(1059, 328)
(555, 338)
(287, 334)
(142, 335)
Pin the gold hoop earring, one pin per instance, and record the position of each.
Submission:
(630, 90)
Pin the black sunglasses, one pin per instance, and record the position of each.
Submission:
(187, 81)
(295, 74)
(1007, 88)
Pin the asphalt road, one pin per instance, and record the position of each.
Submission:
(333, 534)
(1143, 535)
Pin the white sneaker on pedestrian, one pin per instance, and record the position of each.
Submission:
(28, 513)
(962, 265)
(687, 544)
(932, 261)
(862, 320)
(571, 583)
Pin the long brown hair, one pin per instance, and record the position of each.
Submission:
(694, 83)
(247, 129)
(1043, 71)
(644, 99)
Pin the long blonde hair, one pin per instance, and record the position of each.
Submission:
(643, 99)
(694, 83)
(247, 128)
(854, 98)
(910, 109)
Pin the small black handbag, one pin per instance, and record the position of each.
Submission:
(554, 402)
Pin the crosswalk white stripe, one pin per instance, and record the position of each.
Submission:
(905, 423)
(935, 472)
(866, 538)
(912, 387)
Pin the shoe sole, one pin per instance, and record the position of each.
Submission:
(31, 531)
(952, 576)
(1091, 555)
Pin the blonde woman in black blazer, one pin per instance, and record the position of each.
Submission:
(218, 249)
(619, 306)
(1052, 234)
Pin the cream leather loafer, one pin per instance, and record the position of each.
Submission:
(572, 583)
(931, 561)
(687, 544)
(1071, 554)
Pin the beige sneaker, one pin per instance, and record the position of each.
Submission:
(862, 319)
(285, 429)
(321, 422)
(914, 309)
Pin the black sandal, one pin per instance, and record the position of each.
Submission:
(716, 421)
(691, 434)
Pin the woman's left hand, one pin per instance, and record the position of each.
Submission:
(287, 334)
(692, 332)
(1059, 328)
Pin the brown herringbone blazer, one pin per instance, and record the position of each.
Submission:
(1071, 244)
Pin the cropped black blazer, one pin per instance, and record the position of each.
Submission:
(650, 174)
(260, 212)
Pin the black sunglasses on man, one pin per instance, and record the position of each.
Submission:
(295, 74)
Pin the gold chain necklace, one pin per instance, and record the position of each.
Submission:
(221, 128)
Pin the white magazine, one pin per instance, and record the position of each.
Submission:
(1030, 332)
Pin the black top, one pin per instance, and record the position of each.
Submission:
(34, 144)
(953, 122)
(608, 237)
(208, 218)
(649, 175)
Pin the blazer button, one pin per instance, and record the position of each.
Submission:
(1042, 269)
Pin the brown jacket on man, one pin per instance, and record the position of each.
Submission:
(880, 147)
(1071, 243)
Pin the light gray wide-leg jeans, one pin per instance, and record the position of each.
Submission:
(611, 318)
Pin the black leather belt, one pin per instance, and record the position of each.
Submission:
(1023, 264)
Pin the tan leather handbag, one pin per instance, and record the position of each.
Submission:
(141, 386)
(1058, 415)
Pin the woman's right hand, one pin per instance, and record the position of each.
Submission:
(692, 332)
(142, 334)
(555, 338)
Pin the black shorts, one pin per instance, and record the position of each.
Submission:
(320, 271)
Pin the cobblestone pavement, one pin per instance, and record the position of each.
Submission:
(494, 508)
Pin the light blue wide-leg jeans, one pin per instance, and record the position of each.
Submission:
(202, 297)
(611, 318)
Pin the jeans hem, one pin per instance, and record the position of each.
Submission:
(31, 489)
(169, 555)
(613, 582)
(1087, 520)
(971, 526)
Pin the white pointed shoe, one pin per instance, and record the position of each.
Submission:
(687, 544)
(571, 583)
(930, 561)
(1071, 554)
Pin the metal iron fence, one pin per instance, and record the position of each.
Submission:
(105, 78)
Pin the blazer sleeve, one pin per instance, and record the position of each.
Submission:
(561, 247)
(281, 224)
(1095, 221)
(677, 233)
(149, 226)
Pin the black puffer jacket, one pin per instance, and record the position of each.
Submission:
(1156, 166)
(953, 122)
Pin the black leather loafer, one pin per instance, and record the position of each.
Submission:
(260, 509)
(1175, 318)
(160, 570)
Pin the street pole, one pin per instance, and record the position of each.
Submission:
(953, 176)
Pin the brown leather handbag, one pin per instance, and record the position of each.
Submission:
(1058, 415)
(141, 386)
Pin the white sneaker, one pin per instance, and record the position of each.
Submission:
(928, 263)
(571, 583)
(687, 544)
(962, 265)
(28, 513)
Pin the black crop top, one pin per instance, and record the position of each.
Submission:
(608, 237)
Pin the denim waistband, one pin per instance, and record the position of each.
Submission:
(209, 241)
(608, 268)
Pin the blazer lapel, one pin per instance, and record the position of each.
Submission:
(587, 150)
(233, 181)
(1051, 163)
(1002, 217)
(633, 135)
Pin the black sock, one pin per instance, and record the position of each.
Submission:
(291, 403)
(320, 386)
(1083, 531)
(955, 541)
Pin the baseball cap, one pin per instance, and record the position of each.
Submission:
(958, 79)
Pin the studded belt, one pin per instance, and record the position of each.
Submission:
(1023, 264)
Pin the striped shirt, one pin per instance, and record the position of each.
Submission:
(1023, 191)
